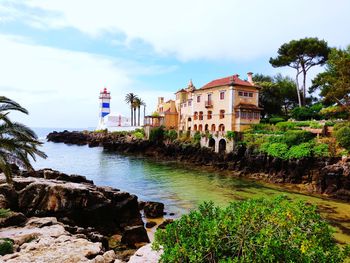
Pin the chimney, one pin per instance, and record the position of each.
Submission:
(160, 100)
(250, 77)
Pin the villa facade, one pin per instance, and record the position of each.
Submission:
(226, 104)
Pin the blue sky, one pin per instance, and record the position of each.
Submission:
(57, 55)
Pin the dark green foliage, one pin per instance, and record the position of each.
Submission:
(257, 230)
(276, 149)
(321, 150)
(197, 137)
(286, 125)
(6, 246)
(275, 120)
(230, 135)
(343, 137)
(292, 137)
(307, 113)
(157, 135)
(335, 112)
(4, 212)
(171, 135)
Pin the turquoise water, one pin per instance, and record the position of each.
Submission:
(179, 187)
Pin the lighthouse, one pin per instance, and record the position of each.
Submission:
(105, 98)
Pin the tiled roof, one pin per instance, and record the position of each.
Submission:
(181, 90)
(231, 80)
(248, 106)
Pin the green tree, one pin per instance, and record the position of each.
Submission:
(18, 143)
(334, 83)
(137, 105)
(277, 95)
(301, 55)
(130, 98)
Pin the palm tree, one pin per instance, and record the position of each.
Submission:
(137, 104)
(17, 142)
(129, 98)
(144, 110)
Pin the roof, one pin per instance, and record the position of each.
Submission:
(181, 90)
(231, 80)
(248, 107)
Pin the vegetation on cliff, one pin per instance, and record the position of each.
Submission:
(257, 230)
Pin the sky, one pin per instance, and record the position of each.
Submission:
(56, 55)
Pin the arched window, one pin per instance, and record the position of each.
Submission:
(195, 115)
(213, 127)
(200, 127)
(221, 127)
(206, 127)
(189, 119)
(222, 114)
(209, 116)
(195, 127)
(201, 115)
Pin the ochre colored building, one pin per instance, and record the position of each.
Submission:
(225, 104)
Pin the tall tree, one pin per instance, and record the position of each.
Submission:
(277, 95)
(137, 104)
(301, 55)
(129, 98)
(334, 82)
(144, 110)
(18, 143)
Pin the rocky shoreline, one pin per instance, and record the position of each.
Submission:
(326, 176)
(49, 216)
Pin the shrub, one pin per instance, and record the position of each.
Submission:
(197, 137)
(300, 151)
(343, 137)
(306, 113)
(157, 134)
(277, 149)
(335, 112)
(256, 230)
(138, 135)
(4, 212)
(230, 135)
(286, 125)
(171, 135)
(321, 150)
(315, 125)
(331, 143)
(340, 125)
(6, 246)
(275, 120)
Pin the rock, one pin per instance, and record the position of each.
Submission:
(106, 210)
(109, 256)
(150, 224)
(146, 255)
(13, 219)
(165, 223)
(153, 209)
(141, 205)
(45, 240)
(134, 234)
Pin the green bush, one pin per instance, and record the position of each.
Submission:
(321, 150)
(286, 125)
(343, 137)
(171, 135)
(6, 246)
(257, 230)
(138, 135)
(4, 212)
(230, 135)
(157, 134)
(300, 151)
(197, 137)
(340, 125)
(276, 149)
(275, 120)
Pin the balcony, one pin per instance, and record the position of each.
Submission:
(209, 104)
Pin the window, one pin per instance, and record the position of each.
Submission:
(237, 114)
(245, 94)
(257, 115)
(199, 98)
(243, 115)
(250, 115)
(213, 127)
(200, 127)
(190, 103)
(209, 98)
(222, 114)
(209, 116)
(222, 95)
(201, 115)
(195, 115)
(161, 109)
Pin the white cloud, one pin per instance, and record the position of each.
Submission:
(60, 87)
(223, 29)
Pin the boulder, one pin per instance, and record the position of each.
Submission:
(150, 224)
(146, 254)
(13, 219)
(153, 209)
(165, 223)
(134, 234)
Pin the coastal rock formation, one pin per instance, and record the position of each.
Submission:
(153, 209)
(327, 176)
(46, 240)
(145, 254)
(104, 209)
